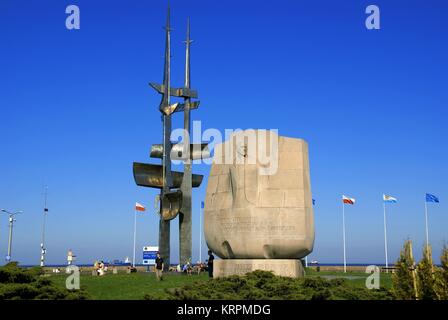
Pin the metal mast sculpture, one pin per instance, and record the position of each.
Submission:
(175, 187)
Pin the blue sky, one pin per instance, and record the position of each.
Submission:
(76, 111)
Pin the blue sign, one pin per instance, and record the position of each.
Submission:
(150, 255)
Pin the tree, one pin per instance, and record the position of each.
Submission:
(441, 285)
(425, 276)
(403, 280)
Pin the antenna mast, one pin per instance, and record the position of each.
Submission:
(43, 250)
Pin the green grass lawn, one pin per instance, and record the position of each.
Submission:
(357, 279)
(134, 286)
(128, 286)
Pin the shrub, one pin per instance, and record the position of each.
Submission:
(18, 283)
(426, 277)
(403, 280)
(263, 285)
(441, 285)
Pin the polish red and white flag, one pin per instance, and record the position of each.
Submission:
(348, 200)
(139, 207)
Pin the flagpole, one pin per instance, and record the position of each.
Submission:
(385, 235)
(200, 233)
(135, 231)
(343, 235)
(426, 220)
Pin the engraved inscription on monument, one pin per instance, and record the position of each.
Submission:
(257, 220)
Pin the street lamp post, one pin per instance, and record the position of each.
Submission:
(11, 225)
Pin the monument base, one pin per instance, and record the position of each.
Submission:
(280, 267)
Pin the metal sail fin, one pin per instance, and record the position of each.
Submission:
(150, 175)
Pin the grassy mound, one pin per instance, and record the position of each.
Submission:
(18, 283)
(263, 285)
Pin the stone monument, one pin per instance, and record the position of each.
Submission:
(258, 221)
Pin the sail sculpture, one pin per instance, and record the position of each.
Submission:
(175, 187)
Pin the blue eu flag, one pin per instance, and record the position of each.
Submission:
(314, 202)
(431, 198)
(202, 204)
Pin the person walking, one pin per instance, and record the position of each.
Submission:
(199, 267)
(211, 257)
(159, 267)
(189, 268)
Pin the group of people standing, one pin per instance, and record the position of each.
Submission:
(160, 266)
(100, 268)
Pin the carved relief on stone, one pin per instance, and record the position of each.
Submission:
(251, 215)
